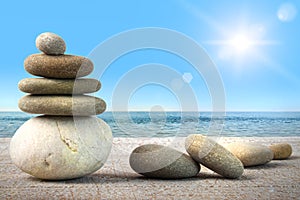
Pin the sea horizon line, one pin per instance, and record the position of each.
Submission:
(209, 111)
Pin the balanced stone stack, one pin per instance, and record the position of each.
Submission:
(68, 140)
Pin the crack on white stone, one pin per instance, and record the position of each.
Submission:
(70, 144)
(46, 162)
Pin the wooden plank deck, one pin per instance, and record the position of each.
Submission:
(275, 180)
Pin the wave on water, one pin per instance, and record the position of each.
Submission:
(170, 124)
(11, 121)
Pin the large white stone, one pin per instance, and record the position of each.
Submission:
(56, 148)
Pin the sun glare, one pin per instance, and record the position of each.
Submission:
(240, 43)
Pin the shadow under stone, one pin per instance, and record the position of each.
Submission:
(205, 175)
(291, 158)
(108, 178)
(271, 165)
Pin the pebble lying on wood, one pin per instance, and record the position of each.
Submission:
(213, 156)
(251, 154)
(157, 161)
(281, 151)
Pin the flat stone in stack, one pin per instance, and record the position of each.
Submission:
(79, 105)
(59, 86)
(61, 66)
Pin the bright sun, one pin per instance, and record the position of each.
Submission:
(240, 43)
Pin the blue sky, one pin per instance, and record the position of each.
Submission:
(254, 44)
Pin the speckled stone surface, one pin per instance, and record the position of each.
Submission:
(64, 105)
(278, 179)
(214, 156)
(56, 148)
(50, 43)
(59, 86)
(61, 66)
(281, 150)
(251, 154)
(162, 162)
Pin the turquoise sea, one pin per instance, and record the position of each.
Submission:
(169, 124)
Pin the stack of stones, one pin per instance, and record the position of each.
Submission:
(67, 140)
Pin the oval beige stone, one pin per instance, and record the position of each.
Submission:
(61, 66)
(81, 105)
(250, 154)
(50, 43)
(157, 161)
(59, 86)
(213, 156)
(56, 148)
(281, 150)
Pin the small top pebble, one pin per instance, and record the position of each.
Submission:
(50, 44)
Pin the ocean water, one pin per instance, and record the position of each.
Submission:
(170, 124)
